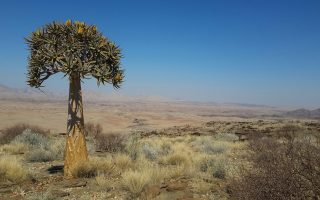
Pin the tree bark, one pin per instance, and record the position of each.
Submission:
(76, 149)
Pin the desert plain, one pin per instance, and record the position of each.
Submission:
(144, 148)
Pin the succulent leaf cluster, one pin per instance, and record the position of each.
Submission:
(73, 48)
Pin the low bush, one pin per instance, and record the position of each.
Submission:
(12, 170)
(283, 168)
(47, 195)
(215, 148)
(33, 139)
(109, 142)
(219, 169)
(57, 148)
(91, 129)
(85, 170)
(132, 146)
(40, 155)
(216, 166)
(10, 133)
(150, 152)
(228, 137)
(210, 145)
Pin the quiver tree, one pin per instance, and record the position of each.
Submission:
(79, 51)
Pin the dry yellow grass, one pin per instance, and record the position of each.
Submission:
(84, 170)
(104, 165)
(123, 162)
(15, 148)
(177, 159)
(135, 181)
(11, 169)
(104, 182)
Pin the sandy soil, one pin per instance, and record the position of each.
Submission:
(126, 116)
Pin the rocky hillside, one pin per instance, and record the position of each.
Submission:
(304, 113)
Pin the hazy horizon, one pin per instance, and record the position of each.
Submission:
(253, 52)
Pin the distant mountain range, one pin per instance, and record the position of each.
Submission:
(8, 93)
(304, 113)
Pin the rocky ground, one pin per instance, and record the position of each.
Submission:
(180, 162)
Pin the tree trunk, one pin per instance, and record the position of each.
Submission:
(76, 149)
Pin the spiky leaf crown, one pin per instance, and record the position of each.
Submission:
(73, 48)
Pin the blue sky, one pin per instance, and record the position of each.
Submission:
(258, 51)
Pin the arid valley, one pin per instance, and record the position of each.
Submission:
(140, 148)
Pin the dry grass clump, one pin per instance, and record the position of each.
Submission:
(136, 181)
(10, 133)
(104, 165)
(123, 162)
(15, 148)
(40, 155)
(177, 159)
(103, 181)
(95, 166)
(85, 170)
(12, 170)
